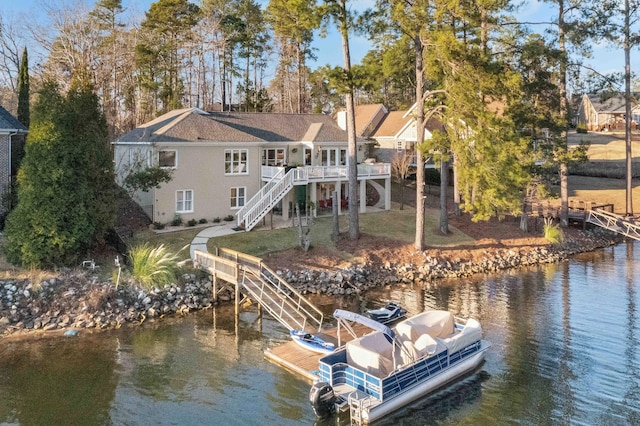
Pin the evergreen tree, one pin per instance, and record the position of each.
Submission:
(23, 90)
(65, 184)
(160, 51)
(293, 22)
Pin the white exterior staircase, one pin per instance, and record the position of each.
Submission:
(269, 195)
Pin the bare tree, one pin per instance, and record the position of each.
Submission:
(401, 169)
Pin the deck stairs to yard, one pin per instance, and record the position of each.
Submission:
(261, 284)
(627, 226)
(269, 195)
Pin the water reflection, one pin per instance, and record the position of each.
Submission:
(68, 382)
(564, 350)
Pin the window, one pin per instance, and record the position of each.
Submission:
(168, 159)
(274, 157)
(235, 161)
(238, 197)
(334, 157)
(399, 145)
(184, 201)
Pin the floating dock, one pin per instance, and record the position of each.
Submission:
(304, 362)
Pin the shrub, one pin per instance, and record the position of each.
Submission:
(228, 218)
(203, 220)
(581, 128)
(552, 232)
(216, 220)
(158, 225)
(192, 222)
(153, 266)
(177, 220)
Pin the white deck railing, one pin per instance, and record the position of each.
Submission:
(328, 173)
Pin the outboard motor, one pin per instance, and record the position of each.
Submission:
(322, 399)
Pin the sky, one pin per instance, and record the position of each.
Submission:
(329, 50)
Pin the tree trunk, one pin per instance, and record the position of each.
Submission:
(352, 166)
(456, 188)
(562, 86)
(627, 101)
(419, 240)
(444, 183)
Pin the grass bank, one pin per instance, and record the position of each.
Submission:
(391, 224)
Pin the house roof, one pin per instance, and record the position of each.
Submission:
(392, 124)
(364, 114)
(9, 122)
(613, 104)
(396, 121)
(193, 125)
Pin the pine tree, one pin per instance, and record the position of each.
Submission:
(23, 90)
(65, 184)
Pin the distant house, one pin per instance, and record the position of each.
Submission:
(605, 113)
(246, 164)
(393, 131)
(12, 139)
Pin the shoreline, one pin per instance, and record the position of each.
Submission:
(75, 300)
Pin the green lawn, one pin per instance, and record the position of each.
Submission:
(393, 224)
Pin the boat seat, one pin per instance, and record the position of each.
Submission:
(435, 323)
(371, 353)
(426, 345)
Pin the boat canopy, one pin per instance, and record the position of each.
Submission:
(368, 322)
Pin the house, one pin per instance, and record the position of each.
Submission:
(392, 131)
(12, 139)
(247, 165)
(600, 113)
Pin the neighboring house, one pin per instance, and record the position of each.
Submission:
(393, 131)
(245, 164)
(599, 113)
(12, 139)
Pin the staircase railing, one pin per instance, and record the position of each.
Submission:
(249, 205)
(617, 223)
(274, 294)
(287, 295)
(268, 196)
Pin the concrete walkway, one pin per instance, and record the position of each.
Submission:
(200, 241)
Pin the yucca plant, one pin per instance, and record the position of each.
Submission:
(153, 266)
(552, 232)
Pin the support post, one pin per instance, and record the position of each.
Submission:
(214, 280)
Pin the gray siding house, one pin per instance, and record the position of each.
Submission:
(12, 139)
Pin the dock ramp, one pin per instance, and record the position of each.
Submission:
(261, 284)
(627, 226)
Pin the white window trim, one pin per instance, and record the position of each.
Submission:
(175, 166)
(184, 191)
(239, 150)
(265, 157)
(237, 207)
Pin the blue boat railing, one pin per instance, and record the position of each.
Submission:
(335, 370)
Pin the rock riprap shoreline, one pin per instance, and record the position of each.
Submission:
(76, 300)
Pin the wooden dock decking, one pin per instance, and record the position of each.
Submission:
(304, 362)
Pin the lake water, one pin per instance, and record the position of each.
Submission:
(565, 351)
